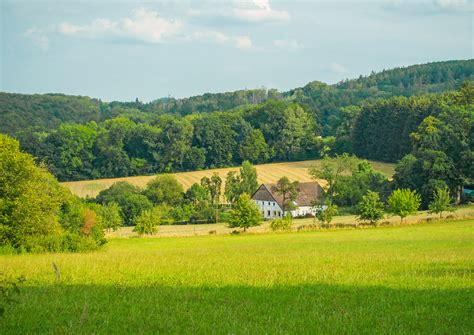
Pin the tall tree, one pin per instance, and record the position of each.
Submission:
(164, 190)
(213, 186)
(31, 199)
(331, 170)
(254, 148)
(289, 191)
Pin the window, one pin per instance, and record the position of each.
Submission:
(269, 203)
(274, 213)
(268, 212)
(279, 213)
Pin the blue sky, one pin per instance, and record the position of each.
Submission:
(120, 50)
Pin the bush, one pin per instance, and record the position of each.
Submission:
(76, 243)
(147, 222)
(282, 224)
(109, 214)
(129, 199)
(36, 212)
(326, 215)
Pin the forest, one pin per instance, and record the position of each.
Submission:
(79, 138)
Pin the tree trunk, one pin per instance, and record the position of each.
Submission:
(459, 194)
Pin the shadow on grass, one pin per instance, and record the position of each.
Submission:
(306, 309)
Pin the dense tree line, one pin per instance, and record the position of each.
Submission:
(323, 102)
(24, 111)
(271, 131)
(275, 130)
(442, 155)
(382, 130)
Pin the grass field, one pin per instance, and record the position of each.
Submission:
(465, 212)
(267, 173)
(396, 280)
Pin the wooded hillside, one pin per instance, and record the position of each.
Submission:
(82, 138)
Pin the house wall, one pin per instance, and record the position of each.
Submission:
(269, 209)
(304, 210)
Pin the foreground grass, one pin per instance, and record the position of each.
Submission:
(267, 173)
(410, 279)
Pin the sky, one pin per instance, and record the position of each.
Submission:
(122, 50)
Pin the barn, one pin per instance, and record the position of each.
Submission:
(270, 202)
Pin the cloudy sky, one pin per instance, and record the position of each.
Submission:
(120, 50)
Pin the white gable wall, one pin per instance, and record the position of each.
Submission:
(269, 209)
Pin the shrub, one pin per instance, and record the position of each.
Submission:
(109, 215)
(282, 224)
(147, 222)
(128, 198)
(31, 198)
(325, 215)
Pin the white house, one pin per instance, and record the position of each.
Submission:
(271, 203)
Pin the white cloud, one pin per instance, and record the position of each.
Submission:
(452, 4)
(260, 11)
(143, 25)
(149, 27)
(337, 68)
(38, 37)
(287, 44)
(241, 42)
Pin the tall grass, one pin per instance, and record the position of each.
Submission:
(404, 280)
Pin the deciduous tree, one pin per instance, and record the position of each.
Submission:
(370, 209)
(442, 202)
(245, 213)
(403, 202)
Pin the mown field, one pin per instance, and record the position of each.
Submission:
(267, 173)
(413, 279)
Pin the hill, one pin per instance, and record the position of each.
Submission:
(21, 111)
(267, 173)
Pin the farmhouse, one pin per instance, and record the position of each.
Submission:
(270, 202)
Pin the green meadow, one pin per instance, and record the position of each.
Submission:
(392, 280)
